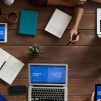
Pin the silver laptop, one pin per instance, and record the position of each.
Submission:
(48, 82)
(99, 22)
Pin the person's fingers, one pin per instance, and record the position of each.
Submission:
(71, 37)
(80, 2)
(92, 98)
(72, 34)
(75, 40)
(78, 37)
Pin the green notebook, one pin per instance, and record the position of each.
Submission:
(28, 22)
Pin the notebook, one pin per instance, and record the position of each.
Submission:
(9, 67)
(48, 82)
(58, 23)
(28, 22)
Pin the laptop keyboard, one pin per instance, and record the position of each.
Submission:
(47, 94)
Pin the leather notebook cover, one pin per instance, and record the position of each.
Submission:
(28, 22)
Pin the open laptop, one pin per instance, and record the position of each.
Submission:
(99, 22)
(48, 82)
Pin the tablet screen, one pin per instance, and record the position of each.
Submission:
(2, 32)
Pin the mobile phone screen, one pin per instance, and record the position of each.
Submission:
(98, 93)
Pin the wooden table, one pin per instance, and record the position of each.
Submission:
(83, 58)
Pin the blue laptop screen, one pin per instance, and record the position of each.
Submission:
(48, 74)
(98, 92)
(2, 32)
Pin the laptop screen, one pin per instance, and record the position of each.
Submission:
(48, 74)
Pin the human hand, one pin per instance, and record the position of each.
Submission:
(73, 32)
(82, 1)
(92, 97)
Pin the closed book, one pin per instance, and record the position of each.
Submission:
(28, 22)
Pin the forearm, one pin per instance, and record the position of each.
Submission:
(77, 16)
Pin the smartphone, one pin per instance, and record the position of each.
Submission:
(17, 89)
(98, 92)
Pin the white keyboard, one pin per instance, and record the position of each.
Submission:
(99, 22)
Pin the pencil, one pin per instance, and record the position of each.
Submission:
(2, 65)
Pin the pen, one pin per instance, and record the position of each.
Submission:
(73, 38)
(2, 65)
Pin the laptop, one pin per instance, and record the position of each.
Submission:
(48, 82)
(99, 22)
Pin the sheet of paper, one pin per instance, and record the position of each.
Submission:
(10, 69)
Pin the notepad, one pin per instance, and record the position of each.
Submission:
(9, 66)
(58, 23)
(28, 22)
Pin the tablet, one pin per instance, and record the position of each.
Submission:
(3, 32)
(98, 92)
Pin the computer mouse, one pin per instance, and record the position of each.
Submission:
(2, 98)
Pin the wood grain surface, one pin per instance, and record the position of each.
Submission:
(83, 58)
